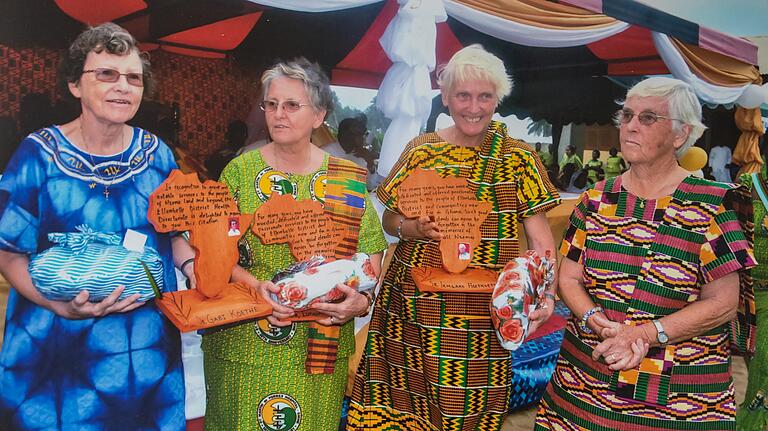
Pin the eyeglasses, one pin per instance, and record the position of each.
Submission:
(646, 118)
(289, 106)
(104, 74)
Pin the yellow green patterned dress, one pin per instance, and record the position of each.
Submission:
(254, 372)
(432, 360)
(752, 414)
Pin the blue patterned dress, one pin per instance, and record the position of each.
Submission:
(118, 372)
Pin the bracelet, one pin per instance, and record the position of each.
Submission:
(583, 322)
(550, 296)
(369, 296)
(184, 264)
(399, 229)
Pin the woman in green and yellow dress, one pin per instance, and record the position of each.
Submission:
(614, 165)
(753, 412)
(271, 373)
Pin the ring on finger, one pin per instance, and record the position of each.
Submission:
(333, 322)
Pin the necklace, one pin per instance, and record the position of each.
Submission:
(115, 169)
(666, 189)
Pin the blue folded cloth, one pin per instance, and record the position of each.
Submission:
(96, 262)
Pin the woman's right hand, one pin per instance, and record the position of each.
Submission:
(280, 314)
(599, 323)
(80, 308)
(426, 228)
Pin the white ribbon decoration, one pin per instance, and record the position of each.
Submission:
(405, 93)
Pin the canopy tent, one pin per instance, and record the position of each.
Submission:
(566, 58)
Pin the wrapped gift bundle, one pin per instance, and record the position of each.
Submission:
(96, 262)
(313, 280)
(519, 290)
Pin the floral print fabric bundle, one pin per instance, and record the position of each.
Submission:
(518, 292)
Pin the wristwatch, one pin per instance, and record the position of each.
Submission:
(661, 336)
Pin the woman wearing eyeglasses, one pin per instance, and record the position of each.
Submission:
(274, 373)
(113, 364)
(650, 271)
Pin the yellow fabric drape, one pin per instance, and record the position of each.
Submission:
(747, 154)
(716, 68)
(542, 13)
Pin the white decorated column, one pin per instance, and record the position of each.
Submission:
(405, 93)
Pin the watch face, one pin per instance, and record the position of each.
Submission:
(662, 338)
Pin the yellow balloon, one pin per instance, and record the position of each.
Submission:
(693, 159)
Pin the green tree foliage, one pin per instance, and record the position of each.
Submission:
(540, 128)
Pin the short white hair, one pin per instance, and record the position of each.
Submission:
(475, 63)
(682, 103)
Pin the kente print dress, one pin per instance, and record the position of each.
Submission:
(645, 259)
(432, 360)
(118, 372)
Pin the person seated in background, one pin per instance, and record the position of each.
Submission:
(571, 179)
(258, 136)
(615, 165)
(594, 168)
(237, 132)
(545, 156)
(570, 156)
(351, 143)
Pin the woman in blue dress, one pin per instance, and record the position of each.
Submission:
(81, 365)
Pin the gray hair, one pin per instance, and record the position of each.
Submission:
(475, 63)
(108, 37)
(683, 105)
(316, 82)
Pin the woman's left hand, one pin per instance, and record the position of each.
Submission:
(540, 315)
(354, 304)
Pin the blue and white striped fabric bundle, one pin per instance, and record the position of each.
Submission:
(96, 262)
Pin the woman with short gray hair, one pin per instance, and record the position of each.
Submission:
(650, 272)
(432, 360)
(276, 373)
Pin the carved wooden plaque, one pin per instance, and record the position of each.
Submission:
(455, 209)
(302, 224)
(208, 212)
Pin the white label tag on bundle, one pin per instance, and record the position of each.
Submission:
(134, 241)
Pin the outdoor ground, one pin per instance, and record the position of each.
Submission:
(517, 421)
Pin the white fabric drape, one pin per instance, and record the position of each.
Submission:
(405, 93)
(527, 35)
(707, 92)
(314, 5)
